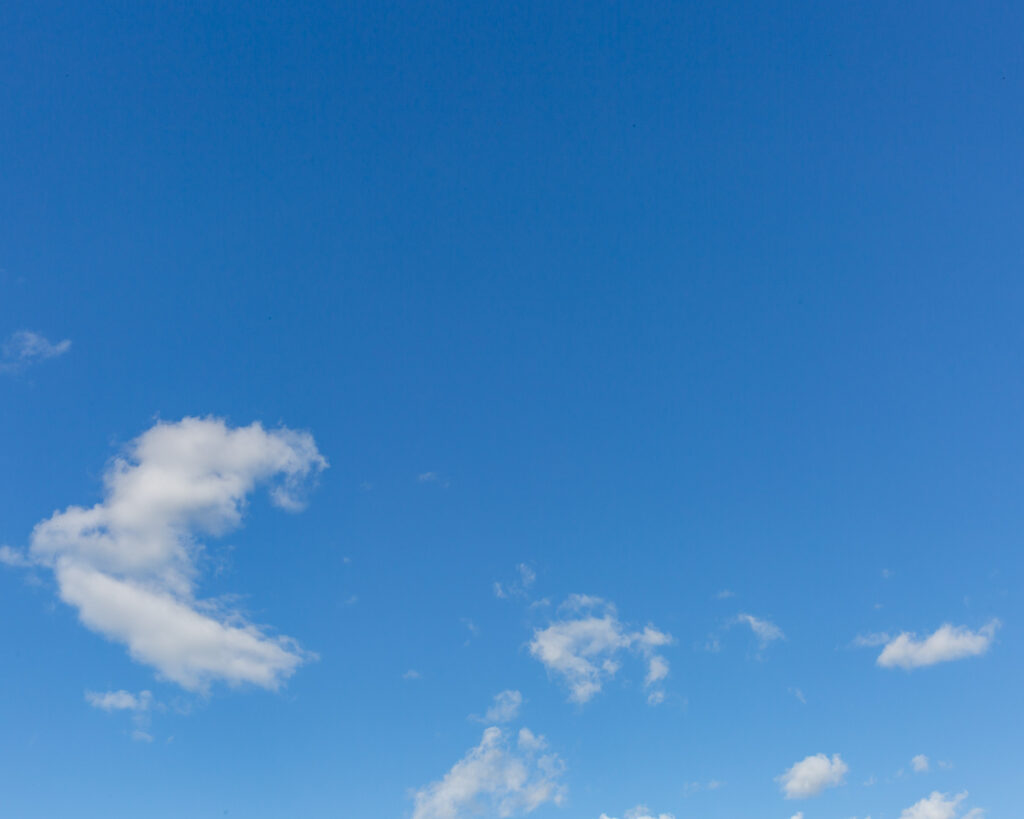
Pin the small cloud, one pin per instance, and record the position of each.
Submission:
(504, 709)
(945, 765)
(25, 348)
(871, 640)
(811, 775)
(796, 692)
(119, 700)
(641, 812)
(765, 631)
(141, 736)
(946, 644)
(14, 558)
(798, 815)
(411, 674)
(585, 647)
(919, 763)
(936, 806)
(507, 774)
(725, 594)
(433, 477)
(519, 587)
(352, 600)
(886, 574)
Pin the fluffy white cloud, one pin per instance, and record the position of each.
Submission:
(119, 700)
(505, 707)
(811, 775)
(584, 648)
(25, 347)
(919, 763)
(642, 812)
(936, 806)
(505, 775)
(798, 815)
(128, 564)
(765, 631)
(947, 643)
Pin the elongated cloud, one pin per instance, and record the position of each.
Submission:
(642, 812)
(936, 806)
(119, 700)
(585, 646)
(25, 348)
(946, 644)
(811, 775)
(505, 775)
(128, 563)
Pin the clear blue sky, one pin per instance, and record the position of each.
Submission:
(711, 311)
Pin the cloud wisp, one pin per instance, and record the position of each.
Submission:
(25, 348)
(505, 775)
(128, 564)
(641, 812)
(585, 646)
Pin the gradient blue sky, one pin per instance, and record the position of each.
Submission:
(703, 309)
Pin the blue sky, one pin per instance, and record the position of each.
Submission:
(467, 410)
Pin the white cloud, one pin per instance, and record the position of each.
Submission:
(919, 763)
(119, 700)
(811, 775)
(503, 776)
(584, 648)
(765, 631)
(14, 558)
(411, 674)
(433, 477)
(796, 692)
(947, 643)
(798, 815)
(936, 806)
(642, 812)
(505, 708)
(128, 564)
(25, 347)
(725, 594)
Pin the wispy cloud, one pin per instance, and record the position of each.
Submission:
(505, 708)
(128, 564)
(505, 775)
(24, 348)
(765, 631)
(585, 646)
(520, 587)
(641, 812)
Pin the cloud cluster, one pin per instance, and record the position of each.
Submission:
(945, 644)
(505, 775)
(585, 646)
(128, 564)
(811, 775)
(24, 348)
